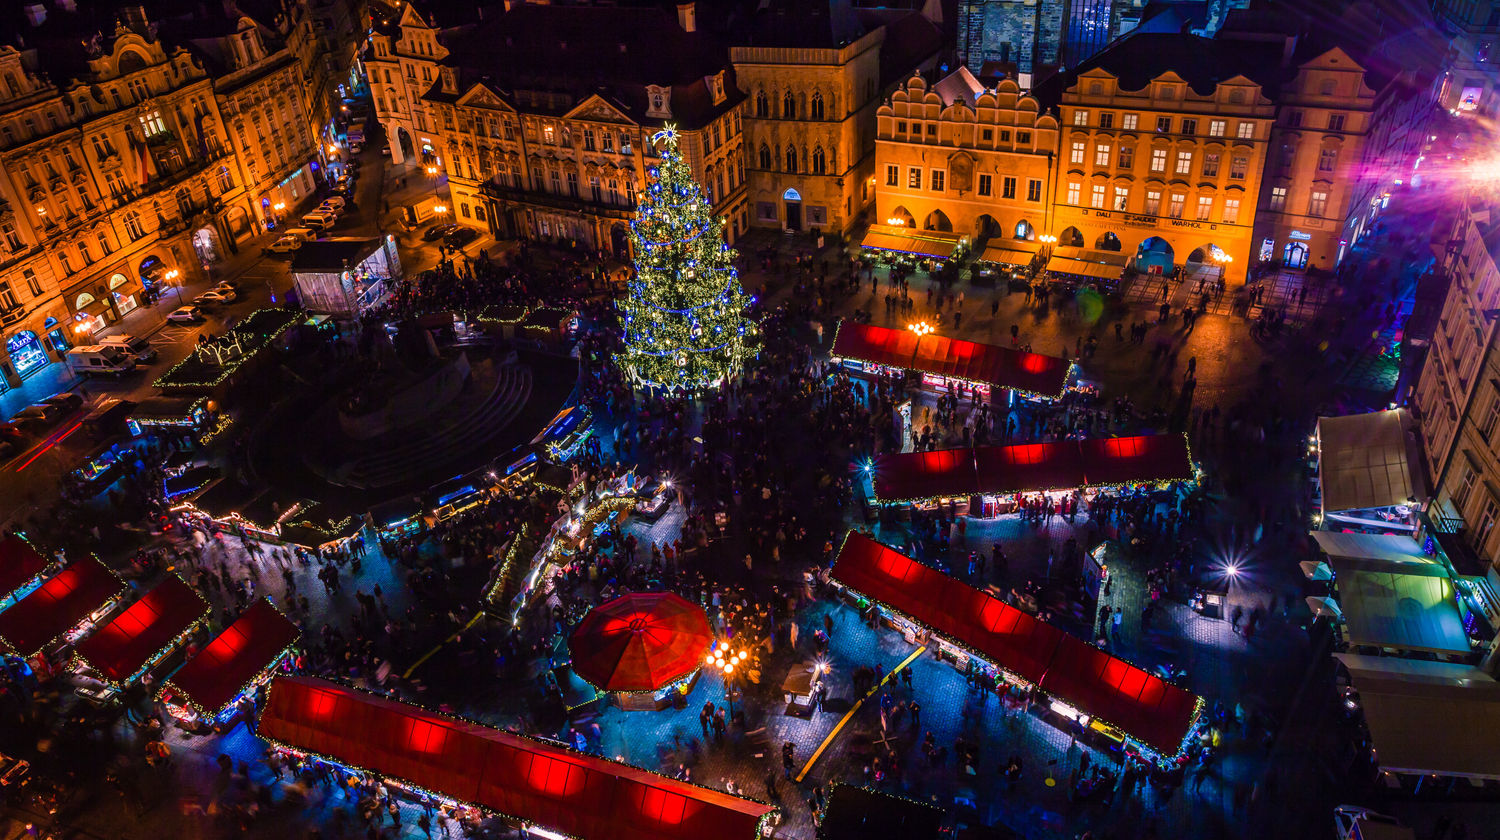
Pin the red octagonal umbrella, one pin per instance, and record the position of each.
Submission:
(640, 642)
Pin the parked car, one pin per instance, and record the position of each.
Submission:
(37, 415)
(139, 348)
(438, 231)
(284, 245)
(215, 297)
(185, 315)
(335, 201)
(67, 400)
(460, 237)
(302, 233)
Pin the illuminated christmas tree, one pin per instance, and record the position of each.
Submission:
(685, 322)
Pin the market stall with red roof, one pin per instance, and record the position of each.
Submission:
(20, 564)
(988, 365)
(67, 600)
(139, 635)
(1126, 700)
(233, 661)
(925, 475)
(1030, 467)
(1144, 706)
(539, 783)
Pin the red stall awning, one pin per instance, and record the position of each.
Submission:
(1148, 709)
(19, 563)
(988, 364)
(1145, 707)
(550, 786)
(1128, 460)
(121, 648)
(58, 605)
(1001, 633)
(890, 577)
(235, 658)
(1029, 467)
(925, 475)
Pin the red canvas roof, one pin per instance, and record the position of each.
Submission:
(925, 475)
(1148, 709)
(1029, 466)
(19, 563)
(235, 658)
(1126, 460)
(1025, 467)
(127, 642)
(891, 577)
(986, 363)
(1010, 638)
(58, 605)
(551, 786)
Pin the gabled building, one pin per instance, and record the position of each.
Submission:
(542, 116)
(112, 161)
(953, 156)
(1161, 151)
(814, 73)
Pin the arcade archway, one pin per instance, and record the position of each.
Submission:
(1108, 241)
(1070, 238)
(938, 220)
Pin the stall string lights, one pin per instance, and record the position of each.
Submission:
(686, 327)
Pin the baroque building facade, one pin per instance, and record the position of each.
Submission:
(122, 158)
(976, 162)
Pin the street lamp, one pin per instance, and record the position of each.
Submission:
(921, 328)
(725, 659)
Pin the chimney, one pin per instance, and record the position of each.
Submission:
(36, 14)
(687, 17)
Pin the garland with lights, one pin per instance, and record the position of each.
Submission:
(685, 319)
(1198, 705)
(253, 334)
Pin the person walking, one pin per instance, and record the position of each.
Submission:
(705, 716)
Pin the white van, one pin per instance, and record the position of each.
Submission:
(99, 359)
(319, 220)
(139, 348)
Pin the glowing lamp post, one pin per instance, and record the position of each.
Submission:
(921, 328)
(723, 658)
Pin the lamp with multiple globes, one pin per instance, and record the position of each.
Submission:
(722, 657)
